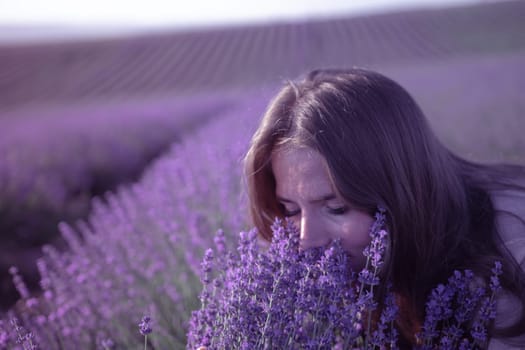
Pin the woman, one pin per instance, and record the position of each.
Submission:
(333, 147)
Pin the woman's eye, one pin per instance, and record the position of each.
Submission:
(289, 212)
(338, 211)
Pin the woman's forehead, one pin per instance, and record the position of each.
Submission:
(297, 159)
(301, 172)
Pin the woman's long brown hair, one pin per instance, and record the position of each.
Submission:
(380, 150)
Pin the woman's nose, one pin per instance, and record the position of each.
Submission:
(311, 234)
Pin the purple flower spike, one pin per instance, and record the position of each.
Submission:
(487, 311)
(144, 326)
(452, 307)
(375, 251)
(206, 266)
(494, 279)
(107, 343)
(4, 335)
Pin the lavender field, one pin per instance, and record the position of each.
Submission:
(163, 123)
(53, 161)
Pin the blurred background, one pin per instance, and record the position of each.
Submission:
(92, 92)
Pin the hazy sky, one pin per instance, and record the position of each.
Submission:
(18, 18)
(177, 12)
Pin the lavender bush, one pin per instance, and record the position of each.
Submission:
(50, 156)
(285, 298)
(54, 160)
(139, 252)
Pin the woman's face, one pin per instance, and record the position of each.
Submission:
(308, 197)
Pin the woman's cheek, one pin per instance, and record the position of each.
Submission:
(355, 236)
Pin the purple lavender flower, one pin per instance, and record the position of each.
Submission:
(24, 338)
(284, 297)
(494, 279)
(375, 251)
(145, 329)
(386, 334)
(487, 310)
(367, 277)
(107, 344)
(458, 313)
(19, 283)
(206, 267)
(144, 326)
(4, 335)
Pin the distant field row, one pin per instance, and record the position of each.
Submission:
(239, 57)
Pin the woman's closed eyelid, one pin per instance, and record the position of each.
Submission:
(287, 211)
(291, 213)
(337, 206)
(339, 210)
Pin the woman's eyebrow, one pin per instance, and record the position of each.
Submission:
(322, 198)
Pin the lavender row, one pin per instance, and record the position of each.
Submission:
(140, 250)
(52, 162)
(241, 57)
(474, 103)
